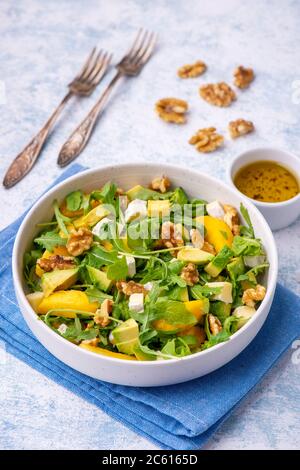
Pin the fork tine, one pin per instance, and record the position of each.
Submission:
(135, 42)
(91, 65)
(94, 68)
(147, 51)
(86, 64)
(144, 47)
(100, 71)
(137, 49)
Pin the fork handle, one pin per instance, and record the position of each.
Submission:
(23, 163)
(80, 137)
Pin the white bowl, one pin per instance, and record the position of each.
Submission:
(277, 214)
(130, 372)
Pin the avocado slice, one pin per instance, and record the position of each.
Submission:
(35, 298)
(126, 336)
(179, 293)
(243, 313)
(140, 192)
(100, 278)
(58, 279)
(142, 356)
(236, 267)
(92, 217)
(216, 266)
(220, 310)
(190, 254)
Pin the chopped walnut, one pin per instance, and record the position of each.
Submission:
(215, 325)
(252, 295)
(232, 219)
(56, 262)
(101, 317)
(192, 70)
(171, 237)
(160, 184)
(172, 110)
(240, 127)
(218, 94)
(190, 274)
(209, 248)
(131, 287)
(243, 76)
(196, 238)
(206, 140)
(79, 241)
(91, 342)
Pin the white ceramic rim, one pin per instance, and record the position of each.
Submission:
(150, 364)
(240, 156)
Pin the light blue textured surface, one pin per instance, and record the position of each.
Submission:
(38, 41)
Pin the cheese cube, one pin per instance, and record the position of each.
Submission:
(136, 302)
(98, 229)
(137, 209)
(62, 328)
(215, 209)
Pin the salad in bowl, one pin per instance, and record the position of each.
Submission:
(145, 274)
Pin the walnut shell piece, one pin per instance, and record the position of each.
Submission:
(253, 295)
(192, 70)
(172, 110)
(240, 127)
(243, 76)
(218, 94)
(206, 140)
(79, 241)
(56, 262)
(160, 184)
(190, 274)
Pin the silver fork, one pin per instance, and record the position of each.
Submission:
(130, 65)
(83, 84)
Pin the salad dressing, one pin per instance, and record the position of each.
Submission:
(266, 181)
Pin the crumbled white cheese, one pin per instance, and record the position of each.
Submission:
(148, 286)
(130, 261)
(62, 328)
(137, 209)
(225, 294)
(252, 261)
(215, 209)
(136, 302)
(98, 228)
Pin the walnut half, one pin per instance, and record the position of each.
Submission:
(240, 127)
(160, 184)
(243, 76)
(79, 241)
(206, 140)
(215, 325)
(192, 70)
(172, 110)
(218, 94)
(56, 262)
(253, 295)
(190, 274)
(232, 218)
(131, 287)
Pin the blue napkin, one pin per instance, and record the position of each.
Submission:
(177, 417)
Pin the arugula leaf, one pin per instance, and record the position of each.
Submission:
(29, 262)
(96, 295)
(145, 194)
(230, 324)
(98, 257)
(118, 270)
(107, 193)
(248, 276)
(74, 200)
(198, 292)
(176, 347)
(219, 338)
(147, 335)
(61, 219)
(249, 230)
(246, 246)
(173, 312)
(121, 311)
(179, 197)
(50, 240)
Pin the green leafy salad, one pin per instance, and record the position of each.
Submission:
(147, 274)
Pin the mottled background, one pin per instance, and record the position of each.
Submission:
(42, 46)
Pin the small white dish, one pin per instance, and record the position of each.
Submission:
(142, 373)
(277, 214)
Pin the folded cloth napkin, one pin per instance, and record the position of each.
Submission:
(180, 416)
